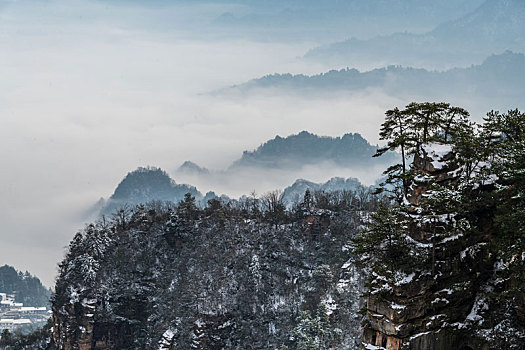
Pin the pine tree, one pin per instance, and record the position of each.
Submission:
(508, 166)
(383, 244)
(409, 129)
(314, 331)
(187, 208)
(307, 200)
(395, 130)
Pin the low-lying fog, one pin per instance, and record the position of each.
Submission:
(91, 90)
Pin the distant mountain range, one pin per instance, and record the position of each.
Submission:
(279, 154)
(495, 26)
(339, 16)
(305, 148)
(300, 150)
(143, 186)
(498, 80)
(311, 20)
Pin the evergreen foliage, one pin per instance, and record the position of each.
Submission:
(27, 288)
(306, 148)
(314, 331)
(508, 162)
(39, 339)
(463, 190)
(409, 129)
(215, 277)
(382, 245)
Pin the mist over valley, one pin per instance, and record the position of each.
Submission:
(208, 174)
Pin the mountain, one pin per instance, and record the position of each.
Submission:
(223, 277)
(438, 264)
(456, 277)
(27, 288)
(282, 154)
(498, 80)
(498, 23)
(495, 26)
(297, 21)
(295, 192)
(303, 19)
(350, 150)
(144, 185)
(189, 167)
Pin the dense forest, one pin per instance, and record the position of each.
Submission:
(27, 288)
(144, 185)
(435, 259)
(246, 274)
(446, 258)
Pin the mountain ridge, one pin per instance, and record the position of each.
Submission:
(146, 184)
(494, 26)
(348, 78)
(291, 153)
(306, 148)
(495, 83)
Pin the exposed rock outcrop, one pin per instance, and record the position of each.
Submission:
(436, 307)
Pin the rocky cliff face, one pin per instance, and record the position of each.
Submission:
(446, 304)
(219, 280)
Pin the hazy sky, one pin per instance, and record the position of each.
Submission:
(91, 91)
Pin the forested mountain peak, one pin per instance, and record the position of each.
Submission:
(192, 168)
(143, 180)
(27, 288)
(307, 148)
(144, 185)
(227, 276)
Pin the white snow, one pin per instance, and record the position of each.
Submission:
(271, 328)
(342, 284)
(448, 291)
(452, 238)
(439, 300)
(418, 335)
(397, 306)
(346, 265)
(225, 324)
(165, 341)
(410, 240)
(479, 305)
(405, 280)
(330, 304)
(471, 251)
(437, 151)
